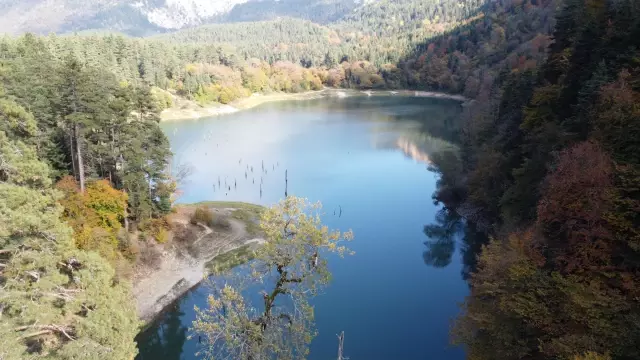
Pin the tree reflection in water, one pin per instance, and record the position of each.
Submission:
(166, 340)
(448, 229)
(442, 243)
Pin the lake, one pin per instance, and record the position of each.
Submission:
(369, 157)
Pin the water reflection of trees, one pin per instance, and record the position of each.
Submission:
(164, 340)
(442, 238)
(449, 227)
(448, 230)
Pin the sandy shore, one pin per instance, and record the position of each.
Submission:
(190, 110)
(194, 111)
(438, 95)
(187, 109)
(183, 262)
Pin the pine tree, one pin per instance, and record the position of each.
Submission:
(56, 300)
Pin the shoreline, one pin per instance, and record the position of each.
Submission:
(193, 111)
(185, 263)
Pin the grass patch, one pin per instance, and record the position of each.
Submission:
(253, 101)
(227, 261)
(250, 219)
(249, 214)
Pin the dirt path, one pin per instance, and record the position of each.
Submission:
(183, 264)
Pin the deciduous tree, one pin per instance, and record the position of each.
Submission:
(290, 267)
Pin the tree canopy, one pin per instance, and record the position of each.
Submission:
(549, 161)
(56, 301)
(289, 268)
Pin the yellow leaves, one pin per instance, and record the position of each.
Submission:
(191, 68)
(108, 203)
(162, 236)
(95, 216)
(292, 256)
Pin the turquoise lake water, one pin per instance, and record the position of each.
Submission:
(368, 156)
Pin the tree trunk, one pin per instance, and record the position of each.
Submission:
(126, 215)
(73, 156)
(76, 136)
(76, 131)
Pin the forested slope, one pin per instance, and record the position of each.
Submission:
(82, 169)
(550, 160)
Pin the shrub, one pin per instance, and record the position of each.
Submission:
(162, 236)
(150, 256)
(124, 270)
(128, 245)
(158, 229)
(220, 222)
(203, 216)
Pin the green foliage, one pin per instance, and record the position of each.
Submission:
(222, 263)
(158, 229)
(291, 260)
(89, 122)
(15, 120)
(441, 45)
(164, 100)
(57, 301)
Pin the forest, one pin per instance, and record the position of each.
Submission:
(467, 49)
(549, 162)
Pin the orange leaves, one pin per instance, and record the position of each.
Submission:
(577, 196)
(95, 216)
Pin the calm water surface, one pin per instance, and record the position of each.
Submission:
(366, 155)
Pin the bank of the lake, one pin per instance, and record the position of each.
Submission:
(189, 110)
(194, 251)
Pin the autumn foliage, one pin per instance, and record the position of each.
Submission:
(95, 216)
(578, 194)
(562, 281)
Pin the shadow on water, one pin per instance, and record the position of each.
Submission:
(442, 238)
(449, 231)
(165, 338)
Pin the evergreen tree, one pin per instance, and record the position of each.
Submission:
(56, 300)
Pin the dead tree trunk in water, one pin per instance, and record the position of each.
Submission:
(341, 346)
(286, 183)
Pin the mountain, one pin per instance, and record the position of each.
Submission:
(319, 11)
(135, 18)
(145, 17)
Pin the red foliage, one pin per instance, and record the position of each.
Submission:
(578, 194)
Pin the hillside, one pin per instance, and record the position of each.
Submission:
(379, 18)
(134, 18)
(147, 17)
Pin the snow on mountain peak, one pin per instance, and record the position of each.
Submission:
(177, 14)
